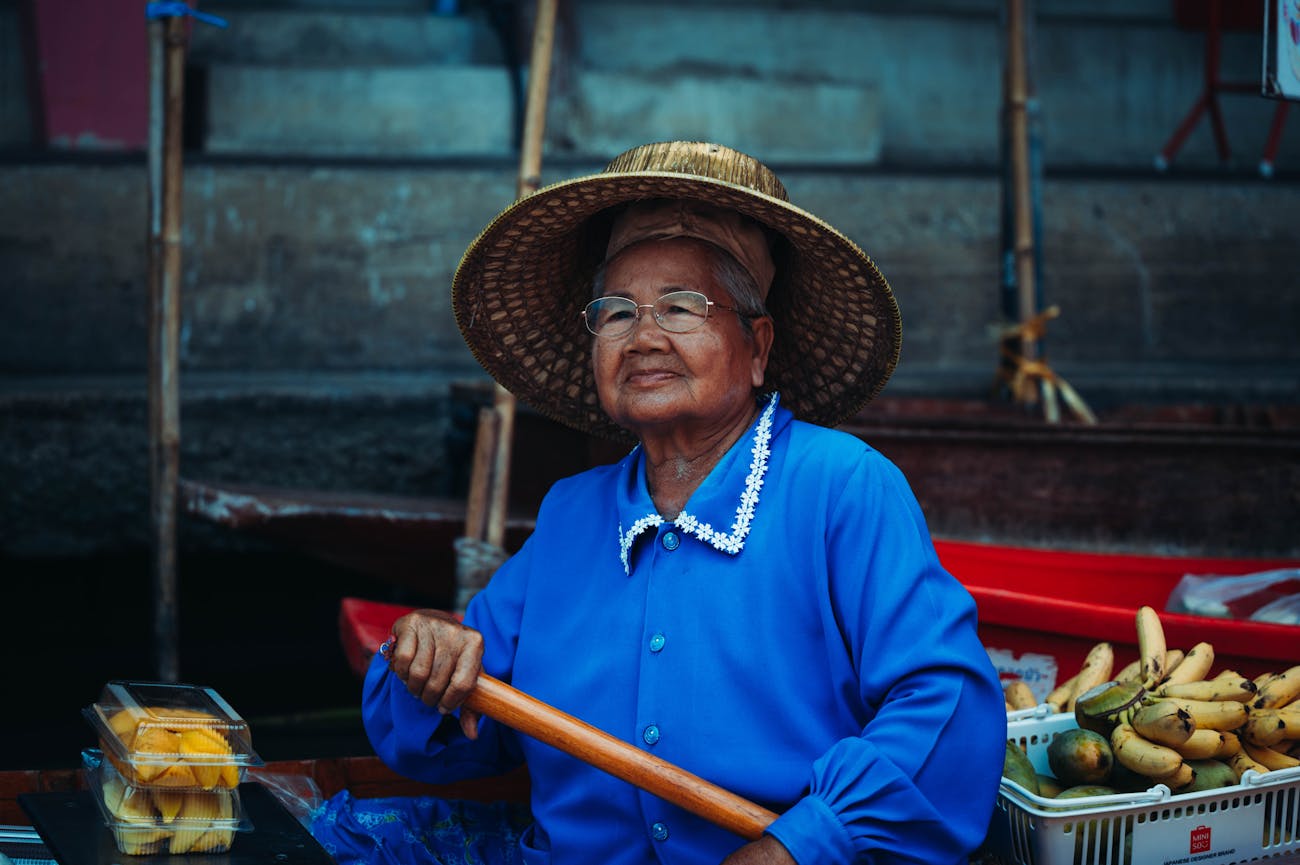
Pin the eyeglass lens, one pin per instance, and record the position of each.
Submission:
(676, 312)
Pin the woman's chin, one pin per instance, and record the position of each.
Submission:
(647, 411)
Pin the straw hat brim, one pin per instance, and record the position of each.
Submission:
(522, 283)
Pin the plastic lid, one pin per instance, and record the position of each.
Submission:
(172, 735)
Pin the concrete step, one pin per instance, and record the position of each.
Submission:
(839, 123)
(407, 111)
(375, 37)
(440, 111)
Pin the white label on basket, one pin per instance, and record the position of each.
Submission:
(1037, 671)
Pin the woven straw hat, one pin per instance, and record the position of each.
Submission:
(520, 287)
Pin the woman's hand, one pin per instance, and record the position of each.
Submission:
(765, 851)
(438, 659)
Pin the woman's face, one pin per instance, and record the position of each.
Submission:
(653, 382)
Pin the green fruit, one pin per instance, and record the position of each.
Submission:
(1082, 790)
(1210, 775)
(1099, 708)
(1016, 767)
(1080, 757)
(1049, 786)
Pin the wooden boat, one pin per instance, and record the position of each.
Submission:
(1188, 480)
(1092, 597)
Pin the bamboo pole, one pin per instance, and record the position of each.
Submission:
(576, 738)
(1017, 97)
(489, 498)
(167, 68)
(528, 181)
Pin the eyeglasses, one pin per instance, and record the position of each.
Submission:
(675, 312)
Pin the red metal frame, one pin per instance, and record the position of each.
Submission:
(1210, 16)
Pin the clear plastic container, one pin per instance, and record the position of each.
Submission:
(159, 820)
(176, 736)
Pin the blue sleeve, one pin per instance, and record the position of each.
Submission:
(918, 784)
(414, 739)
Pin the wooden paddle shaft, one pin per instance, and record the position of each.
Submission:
(576, 738)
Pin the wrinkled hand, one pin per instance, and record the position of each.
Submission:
(765, 851)
(438, 659)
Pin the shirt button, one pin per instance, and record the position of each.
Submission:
(657, 642)
(650, 734)
(659, 832)
(671, 541)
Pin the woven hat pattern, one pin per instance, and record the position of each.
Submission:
(521, 285)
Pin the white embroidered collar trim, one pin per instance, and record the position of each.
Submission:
(728, 543)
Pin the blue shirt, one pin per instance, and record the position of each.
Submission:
(790, 636)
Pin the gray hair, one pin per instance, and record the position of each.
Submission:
(728, 274)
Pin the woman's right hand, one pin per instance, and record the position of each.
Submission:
(438, 659)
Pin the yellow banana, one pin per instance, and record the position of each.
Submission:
(1164, 723)
(1179, 778)
(1278, 691)
(1209, 745)
(1131, 672)
(1240, 763)
(1151, 646)
(1060, 695)
(1143, 756)
(1269, 758)
(1173, 657)
(1268, 727)
(1228, 685)
(1097, 667)
(1211, 714)
(1195, 666)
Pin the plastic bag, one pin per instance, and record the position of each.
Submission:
(1266, 596)
(299, 794)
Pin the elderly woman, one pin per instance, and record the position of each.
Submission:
(748, 594)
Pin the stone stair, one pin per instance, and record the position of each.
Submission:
(831, 83)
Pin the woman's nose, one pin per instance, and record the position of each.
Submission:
(646, 330)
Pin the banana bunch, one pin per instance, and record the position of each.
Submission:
(1166, 716)
(159, 821)
(185, 749)
(1166, 719)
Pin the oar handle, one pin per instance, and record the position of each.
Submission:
(531, 716)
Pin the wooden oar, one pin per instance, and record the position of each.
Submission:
(545, 723)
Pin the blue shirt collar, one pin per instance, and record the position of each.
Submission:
(720, 512)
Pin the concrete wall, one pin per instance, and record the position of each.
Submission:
(318, 347)
(899, 83)
(319, 269)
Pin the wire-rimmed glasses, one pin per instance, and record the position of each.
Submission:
(676, 312)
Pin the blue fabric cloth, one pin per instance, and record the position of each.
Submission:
(419, 830)
(791, 637)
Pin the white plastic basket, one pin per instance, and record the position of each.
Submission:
(1256, 819)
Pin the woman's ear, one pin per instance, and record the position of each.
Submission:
(764, 331)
